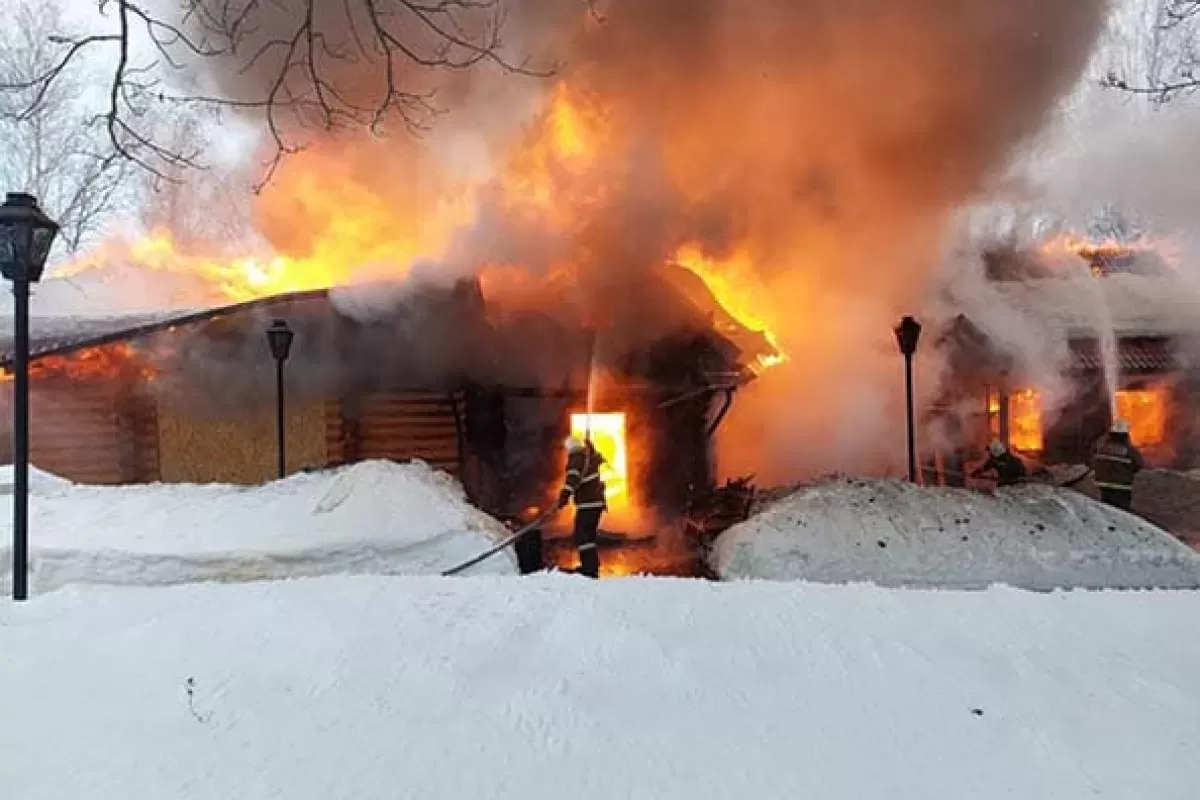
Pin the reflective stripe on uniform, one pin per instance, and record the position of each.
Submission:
(588, 546)
(595, 476)
(597, 504)
(1117, 459)
(1121, 487)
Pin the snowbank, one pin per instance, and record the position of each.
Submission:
(374, 517)
(895, 534)
(557, 686)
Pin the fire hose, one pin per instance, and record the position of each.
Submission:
(486, 554)
(532, 526)
(972, 475)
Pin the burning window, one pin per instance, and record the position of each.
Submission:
(1025, 421)
(1146, 411)
(607, 432)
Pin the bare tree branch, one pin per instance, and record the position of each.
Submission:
(296, 65)
(52, 148)
(1173, 68)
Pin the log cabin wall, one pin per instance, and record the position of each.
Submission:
(399, 426)
(88, 431)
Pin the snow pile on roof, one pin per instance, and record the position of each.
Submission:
(557, 686)
(116, 291)
(1132, 305)
(375, 517)
(895, 534)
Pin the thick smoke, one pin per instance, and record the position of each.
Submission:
(823, 142)
(831, 140)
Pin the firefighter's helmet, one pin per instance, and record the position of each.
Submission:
(573, 444)
(996, 447)
(1120, 426)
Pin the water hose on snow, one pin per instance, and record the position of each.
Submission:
(500, 545)
(532, 526)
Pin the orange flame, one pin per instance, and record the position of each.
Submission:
(1096, 251)
(118, 360)
(736, 286)
(325, 227)
(1025, 417)
(607, 432)
(1146, 411)
(1025, 421)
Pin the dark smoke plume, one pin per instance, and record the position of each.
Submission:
(822, 142)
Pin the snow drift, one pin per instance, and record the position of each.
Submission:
(555, 686)
(895, 534)
(374, 517)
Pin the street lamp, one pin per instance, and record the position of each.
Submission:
(25, 238)
(908, 333)
(279, 337)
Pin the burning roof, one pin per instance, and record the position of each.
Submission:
(425, 332)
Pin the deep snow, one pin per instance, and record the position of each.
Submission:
(374, 517)
(895, 534)
(554, 686)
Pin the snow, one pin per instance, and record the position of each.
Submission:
(555, 686)
(894, 534)
(372, 517)
(1136, 305)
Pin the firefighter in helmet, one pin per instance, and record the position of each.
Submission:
(1009, 469)
(583, 484)
(1116, 463)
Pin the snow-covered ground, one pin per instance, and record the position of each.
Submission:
(555, 686)
(895, 534)
(375, 517)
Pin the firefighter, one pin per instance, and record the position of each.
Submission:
(1008, 468)
(583, 484)
(1116, 463)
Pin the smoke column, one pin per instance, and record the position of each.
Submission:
(820, 144)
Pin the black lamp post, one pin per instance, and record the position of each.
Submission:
(25, 238)
(279, 337)
(908, 333)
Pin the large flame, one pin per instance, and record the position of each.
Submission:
(607, 433)
(810, 203)
(1025, 420)
(1146, 411)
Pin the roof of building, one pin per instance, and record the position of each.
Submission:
(1134, 356)
(60, 334)
(1130, 305)
(448, 342)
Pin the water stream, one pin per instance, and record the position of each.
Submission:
(1106, 336)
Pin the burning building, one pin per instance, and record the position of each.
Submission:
(485, 391)
(1088, 333)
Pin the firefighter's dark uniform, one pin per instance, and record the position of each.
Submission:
(583, 484)
(1008, 468)
(1117, 462)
